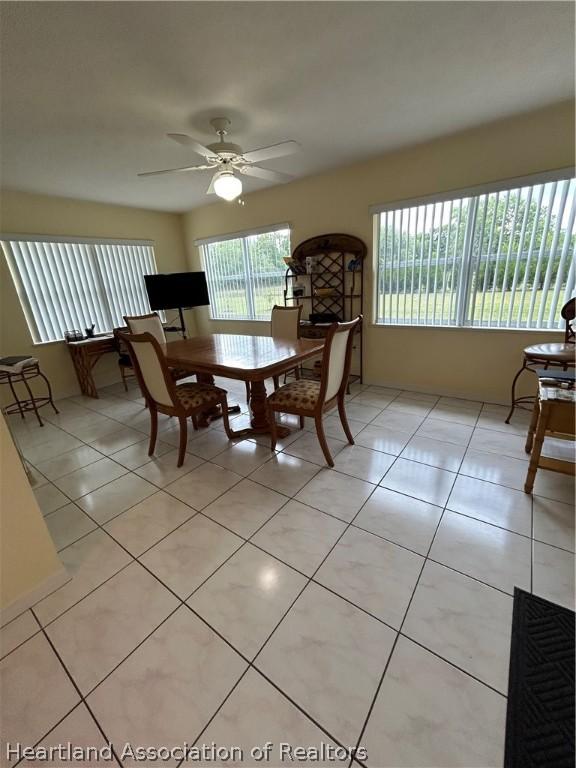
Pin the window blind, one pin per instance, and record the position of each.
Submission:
(71, 284)
(501, 259)
(245, 274)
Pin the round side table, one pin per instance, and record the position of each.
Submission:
(23, 375)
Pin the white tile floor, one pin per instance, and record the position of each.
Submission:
(250, 597)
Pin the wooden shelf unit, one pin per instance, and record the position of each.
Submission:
(333, 254)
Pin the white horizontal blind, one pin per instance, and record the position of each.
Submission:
(245, 274)
(501, 259)
(67, 285)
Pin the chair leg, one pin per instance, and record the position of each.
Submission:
(302, 422)
(247, 383)
(513, 396)
(15, 396)
(225, 419)
(532, 427)
(273, 430)
(194, 422)
(536, 451)
(49, 388)
(344, 420)
(322, 440)
(32, 400)
(297, 373)
(276, 380)
(183, 439)
(123, 374)
(153, 429)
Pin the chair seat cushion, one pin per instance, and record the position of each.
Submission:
(301, 394)
(194, 395)
(563, 353)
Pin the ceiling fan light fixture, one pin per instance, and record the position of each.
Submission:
(227, 186)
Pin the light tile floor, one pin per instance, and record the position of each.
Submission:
(253, 596)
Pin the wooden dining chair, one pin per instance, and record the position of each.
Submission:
(163, 395)
(284, 324)
(311, 397)
(151, 323)
(124, 360)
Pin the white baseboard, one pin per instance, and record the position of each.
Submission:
(22, 603)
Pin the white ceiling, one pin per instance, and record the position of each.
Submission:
(90, 88)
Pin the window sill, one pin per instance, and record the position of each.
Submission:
(47, 343)
(490, 329)
(236, 320)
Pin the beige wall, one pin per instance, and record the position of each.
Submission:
(464, 362)
(22, 213)
(27, 553)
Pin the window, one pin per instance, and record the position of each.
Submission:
(500, 259)
(70, 284)
(245, 273)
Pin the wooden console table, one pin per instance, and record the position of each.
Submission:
(551, 417)
(85, 354)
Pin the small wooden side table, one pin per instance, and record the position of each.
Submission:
(553, 416)
(85, 354)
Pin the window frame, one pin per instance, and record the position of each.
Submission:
(463, 292)
(6, 238)
(202, 243)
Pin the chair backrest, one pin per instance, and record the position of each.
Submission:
(568, 313)
(146, 324)
(121, 347)
(337, 358)
(153, 374)
(286, 322)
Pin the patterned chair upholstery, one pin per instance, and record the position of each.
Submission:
(195, 395)
(302, 394)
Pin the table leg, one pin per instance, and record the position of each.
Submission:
(536, 448)
(259, 416)
(259, 420)
(83, 365)
(211, 414)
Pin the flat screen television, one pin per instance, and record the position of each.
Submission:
(177, 290)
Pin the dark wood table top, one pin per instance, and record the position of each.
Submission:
(235, 356)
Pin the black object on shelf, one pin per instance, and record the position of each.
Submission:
(323, 317)
(74, 335)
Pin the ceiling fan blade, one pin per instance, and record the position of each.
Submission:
(264, 173)
(188, 141)
(210, 190)
(276, 150)
(185, 169)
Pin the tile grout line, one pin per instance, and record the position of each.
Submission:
(399, 633)
(310, 579)
(77, 689)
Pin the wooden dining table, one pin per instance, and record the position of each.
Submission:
(251, 359)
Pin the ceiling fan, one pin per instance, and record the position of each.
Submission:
(229, 159)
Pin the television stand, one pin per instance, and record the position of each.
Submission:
(178, 328)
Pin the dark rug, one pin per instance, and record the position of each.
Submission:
(540, 717)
